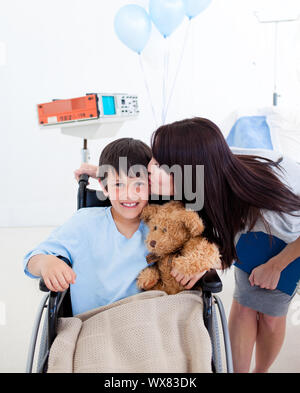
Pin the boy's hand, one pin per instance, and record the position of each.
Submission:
(56, 274)
(85, 168)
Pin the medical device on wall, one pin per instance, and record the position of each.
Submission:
(93, 116)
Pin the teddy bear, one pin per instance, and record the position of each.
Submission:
(174, 241)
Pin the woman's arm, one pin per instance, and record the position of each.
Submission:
(267, 275)
(88, 169)
(187, 281)
(287, 255)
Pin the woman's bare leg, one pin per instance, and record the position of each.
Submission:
(243, 331)
(270, 337)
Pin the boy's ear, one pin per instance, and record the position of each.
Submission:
(192, 222)
(148, 212)
(103, 189)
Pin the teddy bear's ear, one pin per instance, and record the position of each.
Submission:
(148, 212)
(192, 222)
(173, 206)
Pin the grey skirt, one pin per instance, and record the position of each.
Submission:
(266, 301)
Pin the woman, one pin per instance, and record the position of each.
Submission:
(241, 193)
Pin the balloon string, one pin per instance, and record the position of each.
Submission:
(187, 31)
(165, 80)
(148, 91)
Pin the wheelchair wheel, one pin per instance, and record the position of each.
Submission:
(215, 342)
(43, 350)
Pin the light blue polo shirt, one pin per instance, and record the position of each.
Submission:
(106, 263)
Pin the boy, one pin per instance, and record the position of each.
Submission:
(105, 245)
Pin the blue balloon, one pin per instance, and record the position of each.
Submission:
(194, 7)
(166, 15)
(133, 27)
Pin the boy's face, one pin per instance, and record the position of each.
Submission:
(128, 195)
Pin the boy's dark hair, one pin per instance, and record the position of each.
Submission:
(137, 154)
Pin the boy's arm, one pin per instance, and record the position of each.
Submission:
(35, 263)
(42, 261)
(53, 247)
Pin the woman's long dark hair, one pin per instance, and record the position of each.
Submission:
(236, 187)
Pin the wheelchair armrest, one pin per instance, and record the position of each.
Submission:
(210, 282)
(42, 285)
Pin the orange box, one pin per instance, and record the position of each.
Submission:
(62, 111)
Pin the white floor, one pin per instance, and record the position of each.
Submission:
(20, 297)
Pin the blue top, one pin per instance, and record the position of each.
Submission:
(106, 263)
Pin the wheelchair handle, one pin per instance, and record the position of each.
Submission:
(83, 178)
(81, 196)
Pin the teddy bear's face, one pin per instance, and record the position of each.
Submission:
(170, 227)
(166, 235)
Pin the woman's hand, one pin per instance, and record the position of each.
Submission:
(85, 168)
(187, 281)
(266, 275)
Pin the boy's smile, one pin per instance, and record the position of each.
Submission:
(129, 205)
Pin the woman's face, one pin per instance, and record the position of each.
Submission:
(160, 182)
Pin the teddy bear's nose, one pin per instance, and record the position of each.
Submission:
(152, 243)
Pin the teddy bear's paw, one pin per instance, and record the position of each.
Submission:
(213, 259)
(149, 285)
(152, 258)
(148, 278)
(184, 266)
(146, 284)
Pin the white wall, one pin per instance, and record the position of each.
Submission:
(63, 49)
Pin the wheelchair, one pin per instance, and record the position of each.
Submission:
(55, 305)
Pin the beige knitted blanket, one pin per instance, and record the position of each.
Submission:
(150, 332)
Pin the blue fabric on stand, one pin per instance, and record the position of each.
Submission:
(250, 132)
